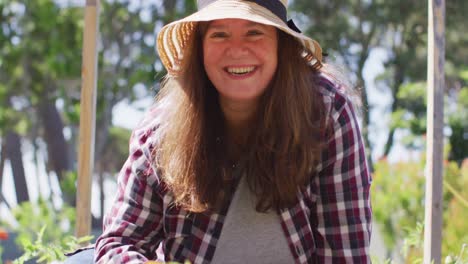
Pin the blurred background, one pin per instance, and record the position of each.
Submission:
(380, 45)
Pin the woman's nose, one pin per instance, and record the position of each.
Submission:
(237, 49)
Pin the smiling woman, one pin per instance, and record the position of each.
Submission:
(252, 152)
(239, 59)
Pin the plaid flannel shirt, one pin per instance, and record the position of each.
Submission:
(331, 222)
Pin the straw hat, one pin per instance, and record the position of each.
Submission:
(173, 38)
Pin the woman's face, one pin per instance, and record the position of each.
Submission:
(240, 58)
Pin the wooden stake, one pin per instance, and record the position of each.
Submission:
(87, 119)
(435, 137)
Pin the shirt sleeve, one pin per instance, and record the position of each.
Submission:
(133, 227)
(341, 219)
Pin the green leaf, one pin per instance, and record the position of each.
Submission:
(85, 239)
(464, 74)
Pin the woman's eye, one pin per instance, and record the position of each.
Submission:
(218, 35)
(254, 33)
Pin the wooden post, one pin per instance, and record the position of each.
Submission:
(87, 119)
(435, 137)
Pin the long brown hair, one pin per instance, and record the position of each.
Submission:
(284, 149)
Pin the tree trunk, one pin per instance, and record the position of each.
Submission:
(36, 165)
(14, 154)
(397, 82)
(102, 130)
(389, 143)
(2, 162)
(57, 148)
(2, 167)
(365, 130)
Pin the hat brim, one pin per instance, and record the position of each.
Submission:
(173, 38)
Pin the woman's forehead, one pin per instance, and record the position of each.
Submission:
(233, 21)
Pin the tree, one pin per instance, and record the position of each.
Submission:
(407, 60)
(347, 30)
(40, 77)
(398, 203)
(350, 29)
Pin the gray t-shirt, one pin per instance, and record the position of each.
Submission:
(249, 236)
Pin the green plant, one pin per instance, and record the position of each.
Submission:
(376, 260)
(398, 203)
(1, 253)
(413, 244)
(47, 253)
(33, 216)
(397, 198)
(461, 258)
(45, 233)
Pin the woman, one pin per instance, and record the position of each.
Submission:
(251, 154)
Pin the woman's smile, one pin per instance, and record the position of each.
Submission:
(240, 72)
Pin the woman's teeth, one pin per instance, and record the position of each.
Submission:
(240, 70)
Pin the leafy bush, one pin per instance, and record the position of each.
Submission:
(45, 233)
(47, 253)
(398, 205)
(44, 214)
